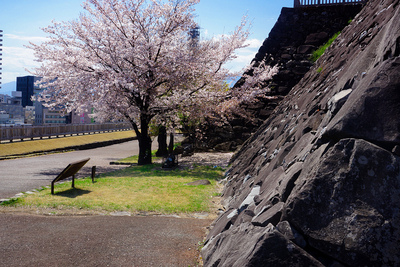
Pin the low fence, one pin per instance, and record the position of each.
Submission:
(299, 3)
(31, 132)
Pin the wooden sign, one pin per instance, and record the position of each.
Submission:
(69, 171)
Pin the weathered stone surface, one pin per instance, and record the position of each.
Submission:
(365, 113)
(271, 215)
(245, 216)
(348, 204)
(305, 49)
(322, 174)
(292, 234)
(223, 223)
(252, 246)
(315, 38)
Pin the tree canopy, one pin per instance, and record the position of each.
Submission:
(134, 60)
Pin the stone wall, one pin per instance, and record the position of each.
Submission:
(297, 33)
(318, 184)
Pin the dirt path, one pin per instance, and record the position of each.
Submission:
(31, 240)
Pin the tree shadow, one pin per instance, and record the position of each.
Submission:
(84, 172)
(72, 193)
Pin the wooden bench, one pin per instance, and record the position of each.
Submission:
(69, 171)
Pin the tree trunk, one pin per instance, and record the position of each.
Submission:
(144, 150)
(171, 143)
(144, 142)
(162, 142)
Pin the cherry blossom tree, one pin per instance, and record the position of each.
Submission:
(227, 104)
(253, 86)
(133, 60)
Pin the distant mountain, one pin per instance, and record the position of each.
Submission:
(7, 88)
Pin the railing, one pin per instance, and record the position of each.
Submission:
(31, 132)
(299, 3)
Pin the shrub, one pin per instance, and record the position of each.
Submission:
(318, 53)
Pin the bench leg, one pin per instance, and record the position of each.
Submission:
(73, 181)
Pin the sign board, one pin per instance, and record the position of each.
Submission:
(69, 171)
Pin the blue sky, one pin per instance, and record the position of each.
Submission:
(21, 21)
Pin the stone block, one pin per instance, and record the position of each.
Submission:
(286, 56)
(305, 49)
(271, 215)
(347, 204)
(248, 245)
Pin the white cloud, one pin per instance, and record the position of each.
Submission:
(245, 55)
(16, 57)
(15, 62)
(254, 43)
(34, 39)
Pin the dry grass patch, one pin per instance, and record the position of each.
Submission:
(34, 146)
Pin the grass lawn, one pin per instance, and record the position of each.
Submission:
(134, 159)
(34, 146)
(135, 189)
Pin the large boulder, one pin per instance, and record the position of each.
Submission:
(370, 112)
(347, 204)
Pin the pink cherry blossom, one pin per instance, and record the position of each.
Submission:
(134, 60)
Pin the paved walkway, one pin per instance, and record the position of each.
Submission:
(24, 174)
(29, 240)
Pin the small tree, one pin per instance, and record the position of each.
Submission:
(133, 60)
(227, 103)
(254, 85)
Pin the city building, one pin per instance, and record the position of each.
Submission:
(11, 110)
(29, 115)
(4, 98)
(37, 114)
(194, 35)
(15, 99)
(46, 116)
(80, 118)
(4, 118)
(26, 85)
(53, 117)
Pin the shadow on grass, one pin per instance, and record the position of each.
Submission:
(198, 172)
(72, 193)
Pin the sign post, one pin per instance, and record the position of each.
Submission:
(69, 171)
